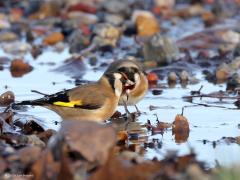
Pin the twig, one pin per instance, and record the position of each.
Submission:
(35, 91)
(210, 96)
(208, 105)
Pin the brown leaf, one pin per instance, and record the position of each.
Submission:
(92, 140)
(31, 127)
(122, 136)
(120, 169)
(28, 155)
(45, 167)
(7, 117)
(180, 129)
(46, 135)
(3, 165)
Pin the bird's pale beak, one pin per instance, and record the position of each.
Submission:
(129, 85)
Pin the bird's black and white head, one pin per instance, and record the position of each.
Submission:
(118, 82)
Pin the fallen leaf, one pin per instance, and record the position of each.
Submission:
(122, 136)
(31, 127)
(180, 128)
(46, 135)
(45, 167)
(92, 140)
(121, 169)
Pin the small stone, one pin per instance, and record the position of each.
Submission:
(85, 18)
(116, 7)
(150, 64)
(164, 3)
(152, 78)
(231, 37)
(114, 19)
(47, 9)
(53, 38)
(236, 51)
(157, 92)
(106, 35)
(172, 77)
(59, 47)
(4, 24)
(16, 48)
(160, 49)
(223, 72)
(19, 67)
(208, 18)
(147, 26)
(8, 36)
(233, 82)
(78, 41)
(7, 98)
(184, 76)
(84, 7)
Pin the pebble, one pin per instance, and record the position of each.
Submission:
(16, 47)
(160, 49)
(146, 23)
(8, 36)
(184, 76)
(172, 77)
(7, 98)
(53, 38)
(106, 35)
(222, 72)
(231, 37)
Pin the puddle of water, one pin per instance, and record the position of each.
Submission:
(205, 123)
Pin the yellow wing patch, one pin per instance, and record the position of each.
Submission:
(68, 104)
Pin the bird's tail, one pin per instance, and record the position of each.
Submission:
(33, 102)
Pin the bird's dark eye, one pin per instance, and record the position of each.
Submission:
(123, 80)
(130, 72)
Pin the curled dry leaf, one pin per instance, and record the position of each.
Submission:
(122, 136)
(31, 127)
(46, 135)
(180, 128)
(18, 68)
(45, 167)
(7, 117)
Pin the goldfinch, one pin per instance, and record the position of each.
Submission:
(134, 73)
(92, 102)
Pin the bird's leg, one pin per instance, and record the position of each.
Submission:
(138, 111)
(9, 107)
(127, 111)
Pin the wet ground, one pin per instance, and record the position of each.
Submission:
(207, 124)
